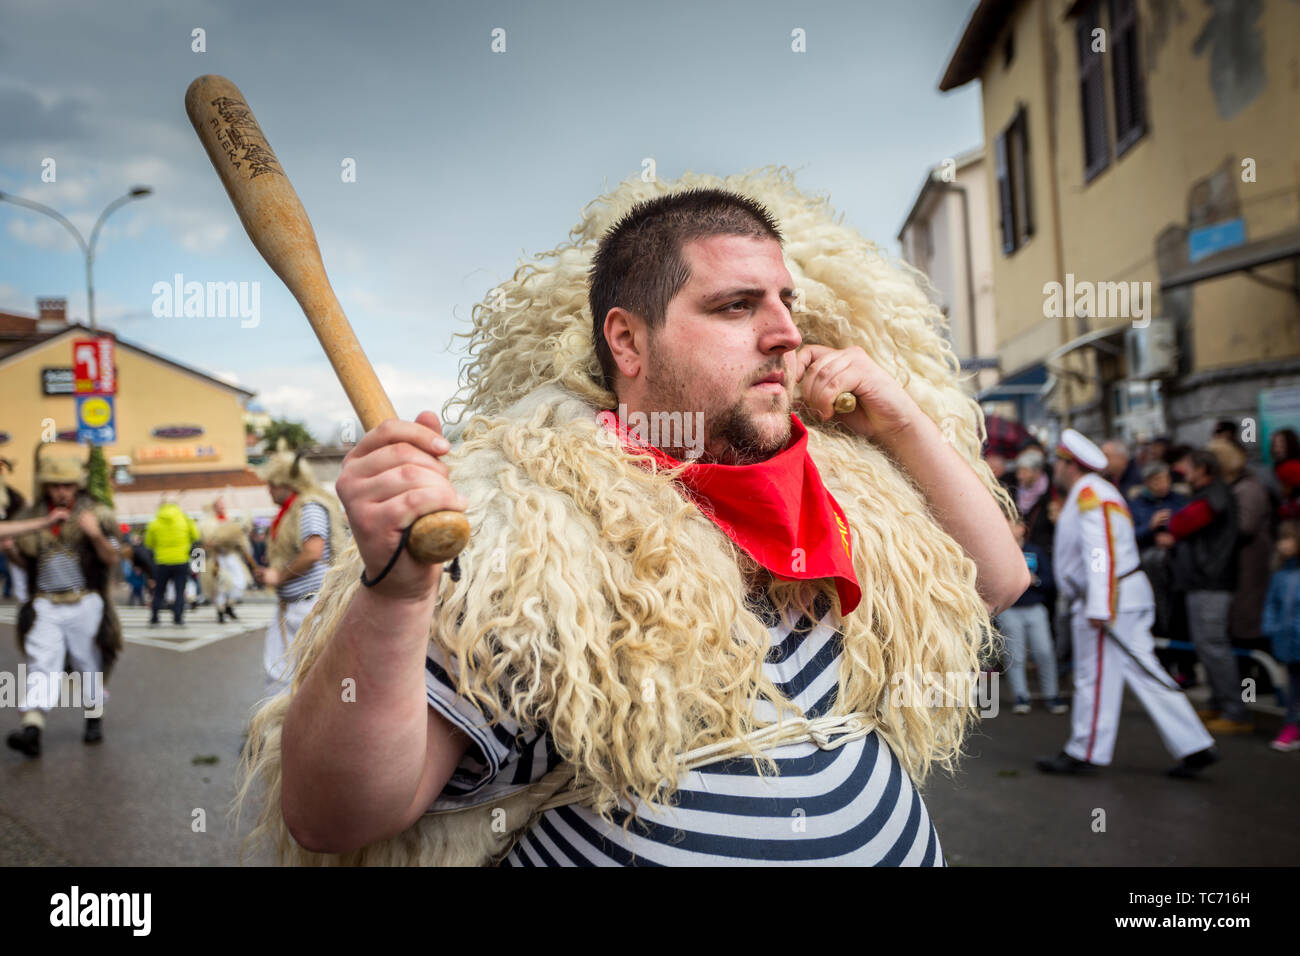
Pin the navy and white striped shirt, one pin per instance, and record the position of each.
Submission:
(59, 570)
(313, 519)
(854, 805)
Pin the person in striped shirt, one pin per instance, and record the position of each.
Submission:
(69, 618)
(306, 536)
(665, 562)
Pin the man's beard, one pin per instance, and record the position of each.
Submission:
(745, 441)
(734, 427)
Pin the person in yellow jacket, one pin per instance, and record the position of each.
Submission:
(170, 535)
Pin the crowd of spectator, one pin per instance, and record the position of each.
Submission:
(1220, 542)
(174, 582)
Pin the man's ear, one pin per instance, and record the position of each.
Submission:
(626, 334)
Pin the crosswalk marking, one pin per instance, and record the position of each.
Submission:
(199, 630)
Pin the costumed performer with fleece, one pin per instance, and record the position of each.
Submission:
(636, 605)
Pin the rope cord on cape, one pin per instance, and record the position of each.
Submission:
(828, 733)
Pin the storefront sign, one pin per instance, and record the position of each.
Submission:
(57, 381)
(95, 419)
(92, 366)
(187, 452)
(177, 431)
(1208, 240)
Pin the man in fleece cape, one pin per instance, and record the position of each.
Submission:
(700, 612)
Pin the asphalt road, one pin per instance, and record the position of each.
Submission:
(180, 700)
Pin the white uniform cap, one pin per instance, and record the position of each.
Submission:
(1080, 450)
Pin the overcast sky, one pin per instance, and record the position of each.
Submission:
(466, 159)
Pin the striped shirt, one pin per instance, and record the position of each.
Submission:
(59, 571)
(313, 519)
(854, 805)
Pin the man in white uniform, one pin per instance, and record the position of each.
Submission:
(1111, 610)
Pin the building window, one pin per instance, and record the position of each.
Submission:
(1015, 206)
(1130, 106)
(1127, 89)
(1092, 93)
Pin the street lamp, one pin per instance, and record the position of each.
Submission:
(88, 248)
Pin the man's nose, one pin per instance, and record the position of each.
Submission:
(779, 332)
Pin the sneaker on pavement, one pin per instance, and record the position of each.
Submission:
(1064, 763)
(1021, 706)
(1058, 705)
(1192, 764)
(1222, 725)
(230, 611)
(27, 740)
(1288, 740)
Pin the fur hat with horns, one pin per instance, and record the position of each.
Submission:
(286, 467)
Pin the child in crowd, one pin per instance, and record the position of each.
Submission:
(1026, 623)
(1282, 625)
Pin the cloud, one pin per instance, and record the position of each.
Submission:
(42, 232)
(29, 119)
(203, 236)
(59, 194)
(312, 395)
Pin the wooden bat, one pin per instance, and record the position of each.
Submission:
(278, 225)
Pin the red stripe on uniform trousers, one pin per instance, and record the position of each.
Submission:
(1096, 692)
(1112, 596)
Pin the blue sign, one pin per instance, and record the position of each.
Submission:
(95, 419)
(1208, 240)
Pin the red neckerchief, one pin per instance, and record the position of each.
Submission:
(54, 528)
(776, 511)
(283, 508)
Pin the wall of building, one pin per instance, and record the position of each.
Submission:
(972, 177)
(150, 394)
(1219, 89)
(1187, 167)
(1024, 334)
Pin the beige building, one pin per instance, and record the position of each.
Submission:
(946, 236)
(1145, 208)
(178, 429)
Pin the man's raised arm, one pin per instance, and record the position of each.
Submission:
(960, 502)
(364, 766)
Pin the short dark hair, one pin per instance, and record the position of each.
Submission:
(1206, 460)
(1290, 443)
(639, 264)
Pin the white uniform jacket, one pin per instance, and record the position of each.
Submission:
(1095, 552)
